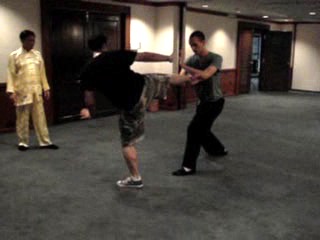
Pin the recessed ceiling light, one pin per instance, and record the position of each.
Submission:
(205, 6)
(265, 16)
(312, 13)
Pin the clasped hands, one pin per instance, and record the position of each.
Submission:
(195, 78)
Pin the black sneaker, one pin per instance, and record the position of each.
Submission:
(23, 148)
(129, 183)
(50, 146)
(183, 172)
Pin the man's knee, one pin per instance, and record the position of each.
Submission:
(129, 152)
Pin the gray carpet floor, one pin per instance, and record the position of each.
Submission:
(266, 188)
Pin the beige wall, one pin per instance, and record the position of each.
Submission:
(143, 34)
(306, 70)
(154, 29)
(167, 35)
(221, 34)
(15, 16)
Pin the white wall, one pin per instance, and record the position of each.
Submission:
(142, 34)
(306, 70)
(167, 31)
(15, 16)
(221, 34)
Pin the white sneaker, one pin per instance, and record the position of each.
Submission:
(129, 183)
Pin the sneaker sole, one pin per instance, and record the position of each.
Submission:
(129, 186)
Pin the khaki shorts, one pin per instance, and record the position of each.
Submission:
(131, 123)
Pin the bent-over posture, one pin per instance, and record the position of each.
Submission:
(131, 93)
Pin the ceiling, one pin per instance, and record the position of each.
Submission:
(276, 10)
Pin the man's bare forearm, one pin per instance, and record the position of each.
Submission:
(197, 73)
(152, 57)
(191, 70)
(179, 79)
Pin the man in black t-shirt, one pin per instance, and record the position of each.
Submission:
(131, 93)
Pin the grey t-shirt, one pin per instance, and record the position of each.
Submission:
(208, 90)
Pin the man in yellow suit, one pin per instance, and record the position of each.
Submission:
(26, 85)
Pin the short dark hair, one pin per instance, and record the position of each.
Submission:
(96, 43)
(26, 33)
(199, 35)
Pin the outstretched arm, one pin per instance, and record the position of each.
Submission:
(152, 57)
(178, 79)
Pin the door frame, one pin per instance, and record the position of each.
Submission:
(243, 27)
(47, 6)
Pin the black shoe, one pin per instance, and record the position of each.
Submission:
(51, 146)
(220, 153)
(182, 172)
(22, 148)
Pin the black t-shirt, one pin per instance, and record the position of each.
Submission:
(110, 74)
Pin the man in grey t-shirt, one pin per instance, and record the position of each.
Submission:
(205, 67)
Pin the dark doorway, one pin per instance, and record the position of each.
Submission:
(276, 70)
(69, 26)
(248, 53)
(263, 60)
(255, 62)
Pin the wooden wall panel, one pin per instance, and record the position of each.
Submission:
(7, 111)
(228, 82)
(228, 85)
(188, 95)
(175, 99)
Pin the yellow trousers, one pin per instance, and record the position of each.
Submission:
(36, 110)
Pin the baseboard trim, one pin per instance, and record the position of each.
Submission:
(304, 91)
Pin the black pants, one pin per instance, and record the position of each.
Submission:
(199, 133)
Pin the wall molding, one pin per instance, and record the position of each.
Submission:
(153, 4)
(304, 91)
(245, 17)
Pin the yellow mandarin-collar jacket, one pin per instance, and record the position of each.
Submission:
(26, 76)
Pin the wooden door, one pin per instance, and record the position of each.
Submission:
(244, 61)
(275, 71)
(70, 33)
(110, 26)
(68, 58)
